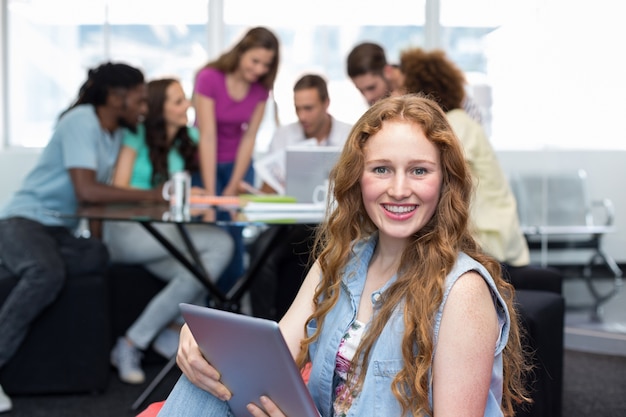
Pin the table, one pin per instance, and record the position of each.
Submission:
(147, 215)
(262, 214)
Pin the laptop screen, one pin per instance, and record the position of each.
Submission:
(308, 168)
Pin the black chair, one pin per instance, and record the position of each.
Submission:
(541, 306)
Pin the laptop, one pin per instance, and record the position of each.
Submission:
(308, 168)
(253, 359)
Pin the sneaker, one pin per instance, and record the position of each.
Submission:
(166, 343)
(5, 402)
(127, 359)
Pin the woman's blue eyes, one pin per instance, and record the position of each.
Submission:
(415, 171)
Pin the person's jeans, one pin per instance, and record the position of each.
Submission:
(186, 399)
(41, 257)
(235, 269)
(131, 243)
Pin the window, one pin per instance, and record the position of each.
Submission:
(554, 71)
(317, 38)
(547, 72)
(50, 51)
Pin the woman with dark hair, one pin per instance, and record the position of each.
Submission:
(401, 313)
(229, 97)
(162, 145)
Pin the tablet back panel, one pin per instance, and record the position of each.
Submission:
(252, 357)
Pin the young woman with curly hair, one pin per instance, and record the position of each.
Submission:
(402, 313)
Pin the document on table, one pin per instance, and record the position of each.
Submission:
(284, 207)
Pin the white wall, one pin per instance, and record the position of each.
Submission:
(606, 171)
(14, 165)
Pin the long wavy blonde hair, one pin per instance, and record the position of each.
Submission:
(426, 260)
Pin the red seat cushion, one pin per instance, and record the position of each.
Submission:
(152, 410)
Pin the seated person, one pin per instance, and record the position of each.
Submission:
(402, 312)
(162, 144)
(283, 270)
(494, 209)
(315, 127)
(36, 244)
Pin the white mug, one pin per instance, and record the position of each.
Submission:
(320, 193)
(177, 190)
(175, 215)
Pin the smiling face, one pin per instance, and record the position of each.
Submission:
(175, 106)
(401, 180)
(255, 63)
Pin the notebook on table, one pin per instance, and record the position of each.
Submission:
(253, 359)
(307, 168)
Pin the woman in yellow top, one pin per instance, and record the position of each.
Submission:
(494, 209)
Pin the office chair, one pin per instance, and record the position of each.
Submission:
(557, 213)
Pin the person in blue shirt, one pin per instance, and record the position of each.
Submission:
(162, 145)
(37, 245)
(402, 313)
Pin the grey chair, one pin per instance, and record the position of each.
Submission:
(557, 213)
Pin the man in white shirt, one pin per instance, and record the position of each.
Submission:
(315, 127)
(283, 269)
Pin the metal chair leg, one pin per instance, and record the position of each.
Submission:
(600, 257)
(154, 383)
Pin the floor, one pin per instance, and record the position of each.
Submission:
(606, 333)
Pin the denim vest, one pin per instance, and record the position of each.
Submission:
(376, 398)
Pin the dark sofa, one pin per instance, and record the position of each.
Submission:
(542, 309)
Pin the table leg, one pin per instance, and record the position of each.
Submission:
(196, 267)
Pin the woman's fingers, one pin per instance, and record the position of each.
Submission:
(196, 368)
(267, 408)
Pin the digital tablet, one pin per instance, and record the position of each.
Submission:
(253, 359)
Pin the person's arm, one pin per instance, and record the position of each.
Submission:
(292, 323)
(207, 144)
(124, 167)
(267, 189)
(89, 190)
(465, 350)
(244, 151)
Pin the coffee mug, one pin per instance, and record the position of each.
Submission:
(177, 191)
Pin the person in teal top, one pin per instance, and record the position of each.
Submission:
(162, 144)
(142, 170)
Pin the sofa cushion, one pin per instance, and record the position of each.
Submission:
(67, 347)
